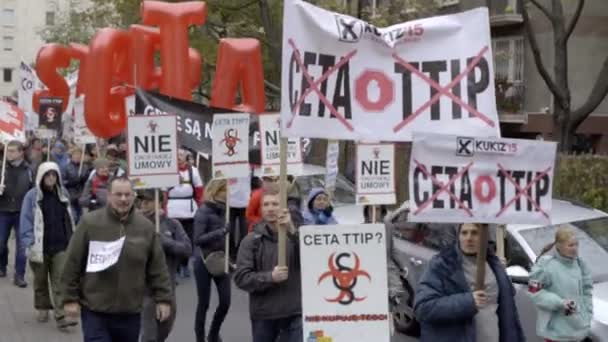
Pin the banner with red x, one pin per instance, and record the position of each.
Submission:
(461, 179)
(346, 79)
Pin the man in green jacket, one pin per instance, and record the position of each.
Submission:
(113, 257)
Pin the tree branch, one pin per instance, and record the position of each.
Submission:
(272, 86)
(542, 70)
(575, 18)
(542, 8)
(597, 95)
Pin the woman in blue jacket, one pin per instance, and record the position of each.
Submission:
(318, 209)
(561, 287)
(449, 308)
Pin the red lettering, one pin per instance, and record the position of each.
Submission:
(385, 86)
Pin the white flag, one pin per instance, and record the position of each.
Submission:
(27, 85)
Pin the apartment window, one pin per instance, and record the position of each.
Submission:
(503, 7)
(7, 75)
(7, 43)
(8, 17)
(509, 73)
(50, 18)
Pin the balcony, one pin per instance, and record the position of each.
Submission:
(505, 13)
(510, 101)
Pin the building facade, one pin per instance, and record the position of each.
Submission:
(21, 22)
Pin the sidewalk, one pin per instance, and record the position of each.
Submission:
(18, 317)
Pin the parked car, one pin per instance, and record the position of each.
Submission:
(415, 244)
(346, 211)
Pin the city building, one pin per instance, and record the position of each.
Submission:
(20, 24)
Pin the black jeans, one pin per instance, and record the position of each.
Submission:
(203, 287)
(188, 225)
(103, 327)
(238, 229)
(289, 329)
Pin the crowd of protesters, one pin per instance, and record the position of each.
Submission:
(58, 199)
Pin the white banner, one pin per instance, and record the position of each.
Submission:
(270, 130)
(28, 83)
(331, 164)
(344, 283)
(11, 123)
(230, 153)
(82, 134)
(480, 180)
(376, 174)
(152, 146)
(346, 79)
(103, 255)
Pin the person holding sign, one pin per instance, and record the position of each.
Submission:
(47, 224)
(177, 247)
(318, 208)
(275, 292)
(210, 230)
(448, 306)
(114, 256)
(561, 286)
(17, 180)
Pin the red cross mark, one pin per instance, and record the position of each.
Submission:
(314, 86)
(443, 188)
(443, 91)
(522, 192)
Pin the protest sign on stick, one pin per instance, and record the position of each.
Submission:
(357, 81)
(270, 147)
(375, 174)
(230, 154)
(480, 180)
(344, 283)
(152, 146)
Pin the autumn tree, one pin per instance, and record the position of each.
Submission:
(566, 119)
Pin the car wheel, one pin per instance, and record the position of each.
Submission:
(403, 312)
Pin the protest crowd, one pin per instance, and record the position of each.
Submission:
(104, 233)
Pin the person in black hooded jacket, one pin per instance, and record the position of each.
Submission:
(210, 230)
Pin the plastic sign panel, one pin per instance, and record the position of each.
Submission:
(230, 153)
(344, 283)
(376, 174)
(343, 78)
(11, 123)
(82, 134)
(481, 180)
(152, 146)
(270, 130)
(331, 165)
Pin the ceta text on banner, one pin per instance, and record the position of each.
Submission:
(480, 180)
(344, 282)
(343, 78)
(230, 153)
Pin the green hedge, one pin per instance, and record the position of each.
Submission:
(583, 178)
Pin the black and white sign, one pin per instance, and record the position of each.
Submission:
(152, 145)
(270, 130)
(376, 174)
(480, 180)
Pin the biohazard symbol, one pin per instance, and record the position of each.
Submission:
(344, 278)
(152, 126)
(231, 138)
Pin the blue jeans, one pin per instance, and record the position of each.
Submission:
(8, 221)
(103, 327)
(203, 288)
(289, 329)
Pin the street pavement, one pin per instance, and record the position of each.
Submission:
(18, 321)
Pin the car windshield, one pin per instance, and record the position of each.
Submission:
(593, 242)
(343, 195)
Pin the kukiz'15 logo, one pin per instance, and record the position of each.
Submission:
(349, 29)
(466, 146)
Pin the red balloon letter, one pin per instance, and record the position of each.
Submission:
(80, 52)
(173, 20)
(239, 60)
(50, 58)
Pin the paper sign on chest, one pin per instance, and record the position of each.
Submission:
(481, 180)
(230, 153)
(343, 78)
